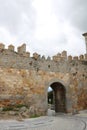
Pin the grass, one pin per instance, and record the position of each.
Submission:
(34, 116)
(7, 108)
(10, 108)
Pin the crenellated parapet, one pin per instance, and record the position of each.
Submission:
(36, 56)
(2, 46)
(81, 57)
(26, 54)
(22, 49)
(69, 58)
(75, 58)
(85, 56)
(64, 55)
(11, 47)
(59, 57)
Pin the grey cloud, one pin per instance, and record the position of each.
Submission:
(18, 18)
(11, 15)
(48, 46)
(74, 11)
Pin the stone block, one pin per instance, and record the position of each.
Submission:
(27, 54)
(64, 54)
(81, 57)
(22, 49)
(56, 58)
(43, 58)
(69, 58)
(75, 58)
(11, 47)
(36, 56)
(12, 113)
(23, 109)
(85, 56)
(48, 58)
(2, 46)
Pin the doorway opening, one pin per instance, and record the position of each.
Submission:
(57, 97)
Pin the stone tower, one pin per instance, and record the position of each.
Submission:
(85, 35)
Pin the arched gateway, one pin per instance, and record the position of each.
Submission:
(59, 97)
(24, 81)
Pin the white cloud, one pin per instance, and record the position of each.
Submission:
(47, 26)
(5, 36)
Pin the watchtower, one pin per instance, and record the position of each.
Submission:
(85, 35)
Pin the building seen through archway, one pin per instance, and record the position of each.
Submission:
(57, 97)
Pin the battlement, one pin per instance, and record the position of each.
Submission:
(11, 47)
(2, 46)
(21, 51)
(24, 80)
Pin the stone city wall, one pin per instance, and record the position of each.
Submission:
(24, 80)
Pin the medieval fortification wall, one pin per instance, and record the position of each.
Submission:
(24, 80)
(21, 59)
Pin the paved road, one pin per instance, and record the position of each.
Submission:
(59, 122)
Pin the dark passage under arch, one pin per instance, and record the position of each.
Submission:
(59, 97)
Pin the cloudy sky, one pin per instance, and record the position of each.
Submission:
(46, 26)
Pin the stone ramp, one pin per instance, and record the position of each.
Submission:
(45, 123)
(15, 126)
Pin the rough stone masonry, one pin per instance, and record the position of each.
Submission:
(24, 81)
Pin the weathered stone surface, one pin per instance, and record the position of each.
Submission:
(23, 109)
(24, 81)
(12, 113)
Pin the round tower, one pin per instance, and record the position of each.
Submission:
(85, 35)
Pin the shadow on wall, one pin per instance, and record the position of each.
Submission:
(57, 97)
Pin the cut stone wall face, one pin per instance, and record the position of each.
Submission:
(29, 88)
(11, 47)
(22, 49)
(24, 81)
(2, 46)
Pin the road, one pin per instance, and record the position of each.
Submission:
(59, 122)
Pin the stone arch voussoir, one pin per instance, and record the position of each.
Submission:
(48, 83)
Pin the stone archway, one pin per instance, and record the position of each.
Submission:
(59, 97)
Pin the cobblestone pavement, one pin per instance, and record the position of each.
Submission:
(59, 122)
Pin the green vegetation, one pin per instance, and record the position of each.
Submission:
(7, 108)
(20, 105)
(34, 116)
(10, 108)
